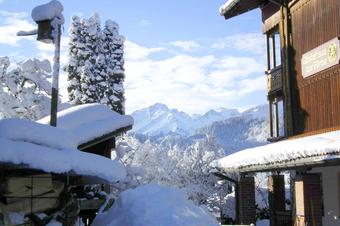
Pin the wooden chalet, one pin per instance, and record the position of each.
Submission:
(303, 76)
(34, 185)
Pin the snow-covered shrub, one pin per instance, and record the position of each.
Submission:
(186, 169)
(25, 89)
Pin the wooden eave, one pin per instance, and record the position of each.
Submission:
(237, 7)
(104, 138)
(296, 164)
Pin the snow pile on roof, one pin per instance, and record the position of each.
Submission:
(90, 121)
(60, 160)
(48, 11)
(32, 132)
(318, 147)
(226, 6)
(154, 205)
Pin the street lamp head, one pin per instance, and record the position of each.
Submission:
(45, 31)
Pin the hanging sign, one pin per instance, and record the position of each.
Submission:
(321, 58)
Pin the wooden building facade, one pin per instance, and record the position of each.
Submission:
(302, 62)
(303, 77)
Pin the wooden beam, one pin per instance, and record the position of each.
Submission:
(104, 138)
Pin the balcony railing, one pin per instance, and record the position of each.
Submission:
(274, 79)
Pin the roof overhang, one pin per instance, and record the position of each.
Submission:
(317, 150)
(104, 138)
(233, 8)
(304, 163)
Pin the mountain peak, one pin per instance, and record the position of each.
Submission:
(159, 106)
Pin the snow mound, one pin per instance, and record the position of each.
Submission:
(154, 205)
(60, 160)
(47, 11)
(90, 121)
(32, 132)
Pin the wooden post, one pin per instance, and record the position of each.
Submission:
(287, 61)
(268, 52)
(270, 118)
(55, 78)
(274, 51)
(277, 129)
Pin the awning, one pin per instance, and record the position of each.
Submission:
(316, 150)
(235, 7)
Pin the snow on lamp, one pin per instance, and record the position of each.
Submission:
(47, 16)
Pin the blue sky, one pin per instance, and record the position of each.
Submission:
(181, 53)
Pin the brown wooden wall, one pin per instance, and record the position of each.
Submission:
(316, 99)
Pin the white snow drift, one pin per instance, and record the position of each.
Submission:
(154, 205)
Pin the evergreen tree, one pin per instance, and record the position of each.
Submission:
(90, 76)
(96, 65)
(113, 49)
(77, 56)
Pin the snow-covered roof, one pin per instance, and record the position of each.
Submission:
(236, 7)
(37, 156)
(226, 6)
(154, 205)
(24, 130)
(47, 11)
(90, 121)
(300, 151)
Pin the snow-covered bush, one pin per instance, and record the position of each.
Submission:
(186, 169)
(25, 89)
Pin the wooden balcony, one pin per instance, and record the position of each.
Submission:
(274, 80)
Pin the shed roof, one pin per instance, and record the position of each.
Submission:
(306, 151)
(91, 123)
(59, 160)
(236, 7)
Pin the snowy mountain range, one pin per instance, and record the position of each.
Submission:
(158, 119)
(229, 128)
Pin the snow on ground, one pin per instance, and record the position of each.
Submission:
(60, 160)
(47, 11)
(154, 205)
(90, 121)
(319, 147)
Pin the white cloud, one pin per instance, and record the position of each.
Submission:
(186, 45)
(144, 23)
(250, 42)
(136, 52)
(191, 83)
(11, 23)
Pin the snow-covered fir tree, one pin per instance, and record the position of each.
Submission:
(96, 65)
(25, 90)
(113, 49)
(77, 56)
(90, 76)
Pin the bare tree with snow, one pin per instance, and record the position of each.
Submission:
(25, 89)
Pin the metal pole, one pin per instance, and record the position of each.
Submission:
(55, 78)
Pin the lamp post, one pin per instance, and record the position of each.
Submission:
(49, 19)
